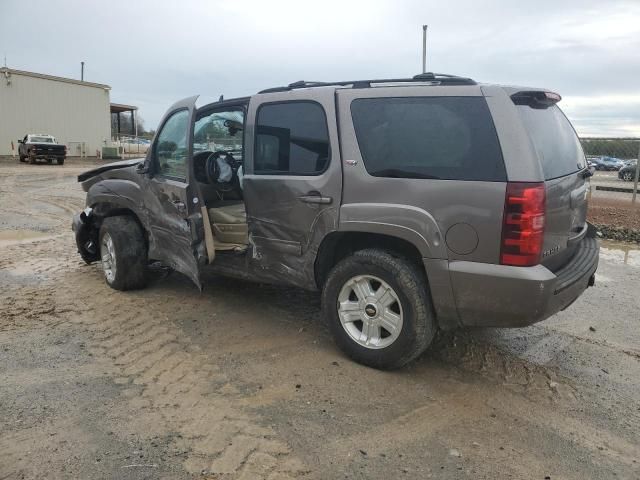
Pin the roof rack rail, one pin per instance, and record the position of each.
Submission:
(434, 78)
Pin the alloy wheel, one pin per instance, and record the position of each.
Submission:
(108, 253)
(370, 311)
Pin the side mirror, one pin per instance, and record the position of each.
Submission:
(19, 141)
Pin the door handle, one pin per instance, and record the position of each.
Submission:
(180, 206)
(315, 197)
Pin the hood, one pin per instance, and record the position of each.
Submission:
(109, 166)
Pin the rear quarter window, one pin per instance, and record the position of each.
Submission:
(449, 138)
(554, 140)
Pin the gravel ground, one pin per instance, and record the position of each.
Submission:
(242, 381)
(612, 212)
(615, 212)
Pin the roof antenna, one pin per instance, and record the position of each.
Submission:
(221, 98)
(5, 60)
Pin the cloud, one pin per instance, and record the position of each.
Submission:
(155, 52)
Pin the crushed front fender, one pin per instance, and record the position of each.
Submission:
(86, 232)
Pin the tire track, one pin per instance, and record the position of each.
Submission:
(178, 385)
(168, 380)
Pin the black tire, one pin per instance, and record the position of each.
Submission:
(49, 161)
(21, 157)
(60, 161)
(130, 252)
(410, 286)
(627, 176)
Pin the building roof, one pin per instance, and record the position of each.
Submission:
(10, 71)
(121, 107)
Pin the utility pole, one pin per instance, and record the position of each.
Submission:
(635, 181)
(424, 48)
(82, 71)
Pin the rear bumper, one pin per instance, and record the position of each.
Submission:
(503, 296)
(46, 156)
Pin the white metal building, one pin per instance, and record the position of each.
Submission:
(73, 111)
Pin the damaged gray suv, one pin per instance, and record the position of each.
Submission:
(411, 204)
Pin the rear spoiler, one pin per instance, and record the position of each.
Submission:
(536, 98)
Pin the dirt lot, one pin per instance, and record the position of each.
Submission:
(615, 212)
(242, 381)
(613, 209)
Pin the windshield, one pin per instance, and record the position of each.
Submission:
(219, 131)
(34, 139)
(555, 141)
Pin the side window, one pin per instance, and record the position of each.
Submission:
(291, 139)
(171, 149)
(448, 138)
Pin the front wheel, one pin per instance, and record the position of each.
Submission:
(627, 176)
(378, 309)
(123, 252)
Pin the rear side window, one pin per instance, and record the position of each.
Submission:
(291, 139)
(449, 138)
(554, 139)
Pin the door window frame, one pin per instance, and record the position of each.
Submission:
(290, 174)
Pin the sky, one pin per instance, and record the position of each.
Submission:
(153, 53)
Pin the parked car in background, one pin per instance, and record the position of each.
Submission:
(608, 163)
(628, 172)
(36, 146)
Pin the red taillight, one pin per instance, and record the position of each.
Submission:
(523, 224)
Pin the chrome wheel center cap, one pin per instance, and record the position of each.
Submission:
(370, 310)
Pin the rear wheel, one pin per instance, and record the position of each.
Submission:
(378, 309)
(123, 253)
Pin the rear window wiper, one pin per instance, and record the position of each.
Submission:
(400, 173)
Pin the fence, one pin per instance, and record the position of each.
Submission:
(130, 146)
(615, 164)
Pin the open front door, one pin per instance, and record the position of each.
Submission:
(172, 202)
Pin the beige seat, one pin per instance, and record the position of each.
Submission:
(229, 225)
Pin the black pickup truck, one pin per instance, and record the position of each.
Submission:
(39, 146)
